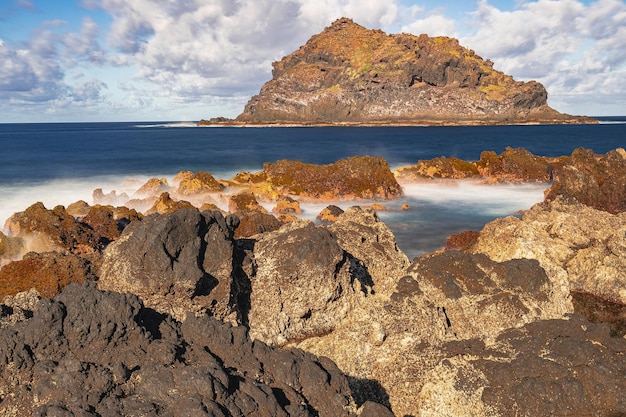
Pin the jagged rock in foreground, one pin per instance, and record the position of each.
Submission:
(571, 241)
(550, 367)
(349, 74)
(94, 353)
(177, 263)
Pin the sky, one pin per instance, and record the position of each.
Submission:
(184, 60)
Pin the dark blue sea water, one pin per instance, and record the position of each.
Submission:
(60, 163)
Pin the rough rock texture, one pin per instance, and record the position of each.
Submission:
(11, 249)
(359, 177)
(244, 201)
(287, 205)
(571, 241)
(165, 204)
(52, 230)
(549, 367)
(47, 272)
(176, 263)
(329, 214)
(511, 166)
(365, 238)
(388, 343)
(598, 181)
(154, 186)
(93, 353)
(250, 223)
(198, 183)
(303, 286)
(348, 73)
(20, 307)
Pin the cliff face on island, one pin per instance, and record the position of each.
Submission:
(350, 74)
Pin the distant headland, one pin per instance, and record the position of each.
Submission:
(350, 75)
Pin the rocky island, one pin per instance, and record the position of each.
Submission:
(348, 74)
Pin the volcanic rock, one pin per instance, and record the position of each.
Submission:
(304, 284)
(48, 273)
(52, 230)
(178, 263)
(89, 352)
(571, 241)
(364, 237)
(511, 166)
(20, 307)
(354, 178)
(244, 201)
(549, 367)
(253, 222)
(329, 214)
(111, 199)
(154, 186)
(598, 181)
(200, 182)
(11, 249)
(166, 204)
(287, 205)
(349, 74)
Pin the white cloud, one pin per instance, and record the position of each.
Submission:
(575, 50)
(217, 53)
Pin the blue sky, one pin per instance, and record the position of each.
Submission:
(167, 60)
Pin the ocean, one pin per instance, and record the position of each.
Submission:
(60, 163)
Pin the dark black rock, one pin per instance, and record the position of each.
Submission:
(93, 353)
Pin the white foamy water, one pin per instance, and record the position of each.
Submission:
(436, 210)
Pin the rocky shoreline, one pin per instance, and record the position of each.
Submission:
(161, 303)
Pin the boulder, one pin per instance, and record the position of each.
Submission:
(103, 221)
(511, 166)
(89, 352)
(549, 367)
(48, 273)
(176, 263)
(11, 249)
(250, 223)
(199, 183)
(355, 178)
(52, 230)
(598, 181)
(153, 187)
(244, 201)
(577, 244)
(364, 237)
(287, 205)
(304, 284)
(329, 214)
(166, 205)
(111, 199)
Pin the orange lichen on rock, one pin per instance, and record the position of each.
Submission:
(47, 272)
(355, 178)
